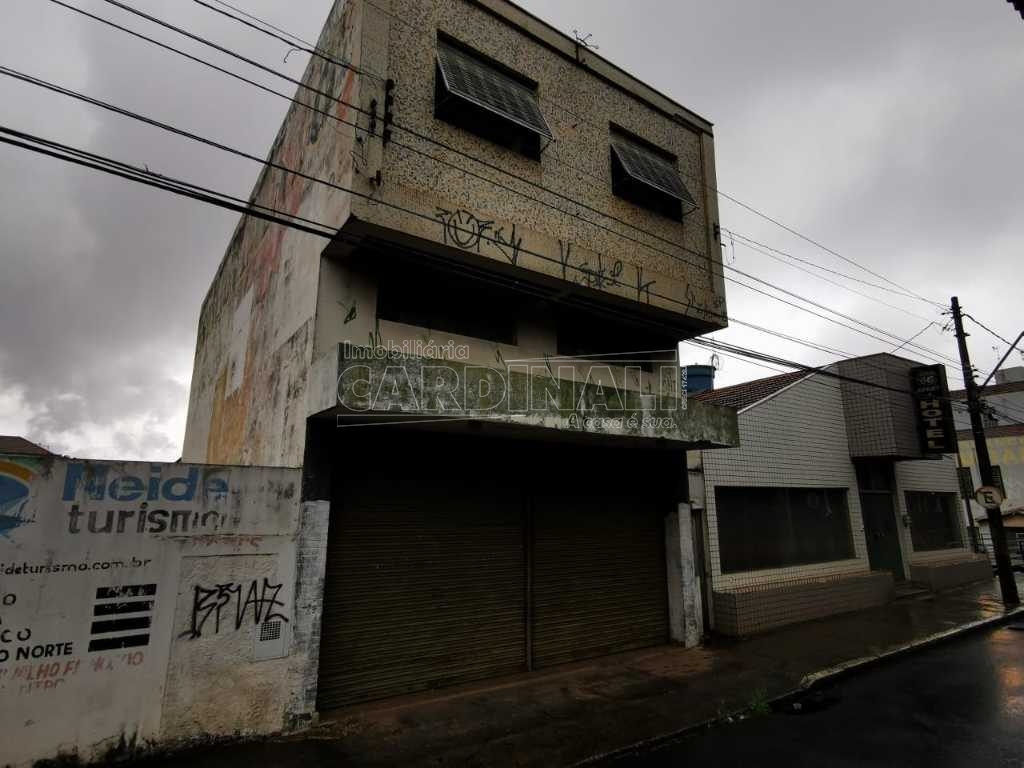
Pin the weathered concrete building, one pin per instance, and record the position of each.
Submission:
(477, 365)
(828, 502)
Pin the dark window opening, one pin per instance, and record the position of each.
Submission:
(481, 96)
(875, 476)
(612, 342)
(428, 298)
(648, 177)
(934, 521)
(762, 528)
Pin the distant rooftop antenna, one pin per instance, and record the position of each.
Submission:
(583, 41)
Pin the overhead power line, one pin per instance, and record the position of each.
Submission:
(251, 208)
(922, 349)
(277, 166)
(825, 248)
(822, 267)
(247, 60)
(903, 291)
(986, 328)
(897, 349)
(766, 252)
(294, 43)
(776, 222)
(222, 49)
(142, 176)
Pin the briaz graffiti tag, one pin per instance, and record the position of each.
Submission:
(236, 604)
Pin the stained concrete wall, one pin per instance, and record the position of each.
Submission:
(672, 265)
(282, 301)
(145, 605)
(255, 338)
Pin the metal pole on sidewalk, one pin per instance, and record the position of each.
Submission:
(971, 525)
(1007, 583)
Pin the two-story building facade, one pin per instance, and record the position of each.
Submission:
(477, 363)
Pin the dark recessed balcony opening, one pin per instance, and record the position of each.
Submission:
(444, 300)
(610, 340)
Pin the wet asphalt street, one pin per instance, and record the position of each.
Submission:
(958, 704)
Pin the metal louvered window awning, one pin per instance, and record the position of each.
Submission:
(651, 169)
(477, 82)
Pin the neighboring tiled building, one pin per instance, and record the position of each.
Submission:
(824, 506)
(509, 220)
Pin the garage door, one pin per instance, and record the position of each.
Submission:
(454, 559)
(599, 584)
(425, 583)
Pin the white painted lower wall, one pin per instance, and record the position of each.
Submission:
(146, 605)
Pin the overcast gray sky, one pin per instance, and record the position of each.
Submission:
(888, 130)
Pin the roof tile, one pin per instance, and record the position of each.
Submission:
(740, 396)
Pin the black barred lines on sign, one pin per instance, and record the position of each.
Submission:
(122, 617)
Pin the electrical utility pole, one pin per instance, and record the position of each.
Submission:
(1007, 583)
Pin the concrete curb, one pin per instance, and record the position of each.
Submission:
(811, 681)
(839, 671)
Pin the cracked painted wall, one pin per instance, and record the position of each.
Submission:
(149, 605)
(255, 337)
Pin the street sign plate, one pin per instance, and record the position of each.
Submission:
(989, 497)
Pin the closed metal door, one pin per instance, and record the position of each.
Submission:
(425, 578)
(881, 533)
(599, 579)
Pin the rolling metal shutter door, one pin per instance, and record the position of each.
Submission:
(425, 581)
(599, 583)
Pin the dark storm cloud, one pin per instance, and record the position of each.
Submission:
(888, 131)
(103, 279)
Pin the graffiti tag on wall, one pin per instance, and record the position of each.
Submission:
(233, 605)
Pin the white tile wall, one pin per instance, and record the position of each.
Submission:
(797, 438)
(938, 476)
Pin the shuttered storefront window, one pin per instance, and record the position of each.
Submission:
(934, 522)
(762, 528)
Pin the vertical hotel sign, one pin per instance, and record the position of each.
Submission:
(933, 410)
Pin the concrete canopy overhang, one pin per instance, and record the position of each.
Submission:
(361, 386)
(374, 248)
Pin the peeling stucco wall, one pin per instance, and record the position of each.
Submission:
(255, 338)
(147, 605)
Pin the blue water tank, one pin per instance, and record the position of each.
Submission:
(699, 378)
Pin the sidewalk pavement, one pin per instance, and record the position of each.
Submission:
(574, 713)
